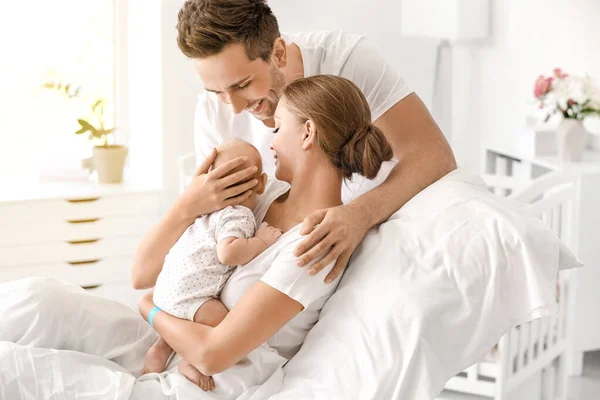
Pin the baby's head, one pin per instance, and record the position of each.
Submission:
(233, 148)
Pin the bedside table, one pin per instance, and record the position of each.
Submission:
(82, 232)
(504, 161)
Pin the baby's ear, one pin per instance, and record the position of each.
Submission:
(261, 185)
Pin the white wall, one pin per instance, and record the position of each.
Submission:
(180, 89)
(143, 75)
(378, 20)
(163, 88)
(529, 38)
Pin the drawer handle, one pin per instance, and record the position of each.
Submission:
(83, 200)
(82, 221)
(88, 287)
(82, 241)
(78, 263)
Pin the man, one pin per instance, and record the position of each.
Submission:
(244, 63)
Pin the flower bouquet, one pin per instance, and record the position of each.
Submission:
(574, 98)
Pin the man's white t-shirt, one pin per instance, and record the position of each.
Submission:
(334, 53)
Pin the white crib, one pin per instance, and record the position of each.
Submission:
(532, 361)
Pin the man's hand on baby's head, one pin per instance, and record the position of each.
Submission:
(268, 234)
(217, 189)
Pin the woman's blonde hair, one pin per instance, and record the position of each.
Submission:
(343, 119)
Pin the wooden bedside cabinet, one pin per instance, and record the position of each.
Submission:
(85, 233)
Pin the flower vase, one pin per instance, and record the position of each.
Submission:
(570, 137)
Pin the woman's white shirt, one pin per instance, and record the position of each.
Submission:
(277, 268)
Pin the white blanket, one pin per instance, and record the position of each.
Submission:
(427, 294)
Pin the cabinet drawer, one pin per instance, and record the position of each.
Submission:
(70, 252)
(89, 274)
(75, 230)
(79, 208)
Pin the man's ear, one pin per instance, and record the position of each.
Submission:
(261, 185)
(280, 52)
(309, 135)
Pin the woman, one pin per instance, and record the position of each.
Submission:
(323, 135)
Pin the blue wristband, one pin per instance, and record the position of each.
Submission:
(151, 315)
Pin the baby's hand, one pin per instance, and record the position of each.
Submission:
(268, 234)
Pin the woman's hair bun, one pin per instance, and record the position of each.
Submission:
(365, 152)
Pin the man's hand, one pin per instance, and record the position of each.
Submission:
(217, 189)
(340, 230)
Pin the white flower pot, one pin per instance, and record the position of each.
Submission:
(570, 137)
(109, 161)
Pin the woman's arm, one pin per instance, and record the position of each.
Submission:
(260, 313)
(208, 192)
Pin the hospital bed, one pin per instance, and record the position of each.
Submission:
(532, 360)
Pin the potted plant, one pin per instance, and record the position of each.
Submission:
(107, 159)
(574, 98)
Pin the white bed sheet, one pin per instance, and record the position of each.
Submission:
(427, 294)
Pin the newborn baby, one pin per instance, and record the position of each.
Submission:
(204, 257)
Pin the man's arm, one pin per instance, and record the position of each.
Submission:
(423, 155)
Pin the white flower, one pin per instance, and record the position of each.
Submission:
(591, 92)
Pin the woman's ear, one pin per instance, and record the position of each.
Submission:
(280, 52)
(309, 135)
(261, 185)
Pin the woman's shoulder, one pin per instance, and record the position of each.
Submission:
(276, 187)
(285, 275)
(273, 190)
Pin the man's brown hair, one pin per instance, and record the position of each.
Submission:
(206, 27)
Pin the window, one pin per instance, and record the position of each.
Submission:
(67, 41)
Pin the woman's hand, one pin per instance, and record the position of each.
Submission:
(217, 189)
(340, 230)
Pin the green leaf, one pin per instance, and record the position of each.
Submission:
(96, 104)
(85, 126)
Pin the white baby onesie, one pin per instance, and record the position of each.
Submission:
(192, 274)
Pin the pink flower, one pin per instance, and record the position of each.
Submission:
(570, 102)
(542, 86)
(559, 74)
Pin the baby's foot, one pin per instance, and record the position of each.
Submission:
(156, 357)
(205, 383)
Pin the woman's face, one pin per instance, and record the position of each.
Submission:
(287, 143)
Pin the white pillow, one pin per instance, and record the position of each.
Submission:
(426, 295)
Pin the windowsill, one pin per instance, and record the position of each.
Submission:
(27, 188)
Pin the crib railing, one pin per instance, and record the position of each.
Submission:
(531, 360)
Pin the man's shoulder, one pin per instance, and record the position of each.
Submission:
(327, 39)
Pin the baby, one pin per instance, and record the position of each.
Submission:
(205, 256)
